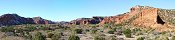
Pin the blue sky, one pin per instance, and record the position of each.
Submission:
(66, 10)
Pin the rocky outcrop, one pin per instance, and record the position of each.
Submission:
(84, 21)
(137, 15)
(141, 16)
(14, 19)
(39, 20)
(144, 16)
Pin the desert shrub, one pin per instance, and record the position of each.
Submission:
(136, 29)
(87, 30)
(49, 35)
(163, 33)
(56, 36)
(28, 36)
(140, 38)
(93, 31)
(101, 34)
(73, 37)
(173, 38)
(113, 38)
(166, 38)
(162, 38)
(118, 25)
(44, 28)
(114, 29)
(78, 31)
(39, 36)
(99, 38)
(106, 25)
(7, 29)
(127, 33)
(138, 33)
(19, 30)
(32, 28)
(93, 25)
(111, 31)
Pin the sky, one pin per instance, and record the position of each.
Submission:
(67, 10)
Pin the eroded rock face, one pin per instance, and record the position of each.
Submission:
(141, 16)
(14, 19)
(145, 16)
(138, 15)
(39, 20)
(84, 21)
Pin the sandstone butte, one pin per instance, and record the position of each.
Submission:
(142, 16)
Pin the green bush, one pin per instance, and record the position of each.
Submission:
(113, 38)
(73, 37)
(99, 38)
(19, 30)
(28, 35)
(106, 25)
(7, 29)
(127, 33)
(162, 38)
(87, 30)
(32, 28)
(93, 31)
(173, 38)
(56, 37)
(49, 35)
(111, 31)
(167, 38)
(44, 28)
(39, 36)
(78, 31)
(140, 38)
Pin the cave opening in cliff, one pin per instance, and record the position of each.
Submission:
(159, 20)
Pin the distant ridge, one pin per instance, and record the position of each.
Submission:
(14, 19)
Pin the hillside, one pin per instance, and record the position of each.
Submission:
(14, 19)
(142, 16)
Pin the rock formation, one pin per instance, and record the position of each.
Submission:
(144, 16)
(39, 20)
(14, 19)
(82, 21)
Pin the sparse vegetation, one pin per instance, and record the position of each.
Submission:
(7, 29)
(173, 38)
(140, 38)
(39, 36)
(56, 37)
(49, 35)
(111, 31)
(57, 32)
(73, 37)
(93, 31)
(79, 31)
(127, 33)
(99, 38)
